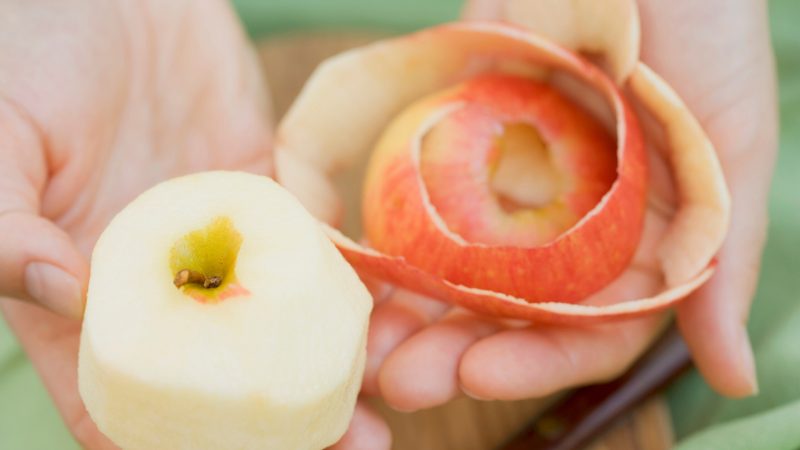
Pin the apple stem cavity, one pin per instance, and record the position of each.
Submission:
(203, 262)
(188, 276)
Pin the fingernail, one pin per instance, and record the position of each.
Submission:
(403, 409)
(748, 362)
(472, 395)
(54, 289)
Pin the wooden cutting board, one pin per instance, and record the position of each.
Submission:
(462, 424)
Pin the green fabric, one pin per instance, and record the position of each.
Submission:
(775, 319)
(775, 429)
(274, 16)
(28, 420)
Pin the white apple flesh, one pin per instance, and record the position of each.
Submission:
(270, 359)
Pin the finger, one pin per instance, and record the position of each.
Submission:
(368, 431)
(539, 361)
(400, 315)
(51, 343)
(713, 320)
(423, 371)
(736, 105)
(38, 261)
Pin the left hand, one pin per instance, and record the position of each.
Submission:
(423, 353)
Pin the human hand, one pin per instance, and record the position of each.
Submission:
(98, 101)
(717, 56)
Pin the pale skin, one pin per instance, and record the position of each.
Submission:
(717, 56)
(99, 100)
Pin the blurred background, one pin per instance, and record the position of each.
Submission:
(293, 36)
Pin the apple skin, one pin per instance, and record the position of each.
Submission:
(396, 270)
(350, 99)
(400, 208)
(516, 164)
(275, 365)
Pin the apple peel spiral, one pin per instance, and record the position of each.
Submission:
(509, 174)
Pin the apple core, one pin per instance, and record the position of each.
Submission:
(521, 150)
(505, 161)
(203, 261)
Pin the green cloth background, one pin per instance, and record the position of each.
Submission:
(28, 420)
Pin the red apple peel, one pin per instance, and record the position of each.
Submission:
(352, 97)
(400, 219)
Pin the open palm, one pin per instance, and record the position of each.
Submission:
(100, 100)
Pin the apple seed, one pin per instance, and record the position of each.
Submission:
(187, 276)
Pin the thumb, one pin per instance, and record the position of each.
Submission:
(38, 261)
(713, 320)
